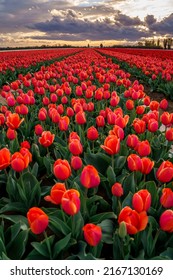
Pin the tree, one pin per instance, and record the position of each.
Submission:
(165, 42)
(169, 43)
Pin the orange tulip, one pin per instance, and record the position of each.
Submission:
(13, 121)
(111, 145)
(5, 158)
(46, 138)
(71, 202)
(37, 219)
(62, 169)
(134, 221)
(56, 193)
(92, 234)
(89, 177)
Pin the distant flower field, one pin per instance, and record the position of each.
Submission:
(86, 172)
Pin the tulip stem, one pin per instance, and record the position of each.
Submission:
(113, 162)
(48, 244)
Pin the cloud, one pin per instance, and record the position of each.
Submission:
(53, 20)
(164, 27)
(126, 20)
(72, 25)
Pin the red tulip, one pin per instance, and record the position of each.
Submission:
(37, 219)
(25, 144)
(163, 104)
(141, 200)
(165, 118)
(166, 199)
(134, 221)
(130, 104)
(139, 126)
(80, 118)
(76, 162)
(154, 105)
(132, 140)
(165, 172)
(143, 148)
(75, 147)
(134, 162)
(140, 109)
(38, 129)
(92, 234)
(89, 177)
(62, 169)
(100, 121)
(46, 138)
(147, 165)
(169, 134)
(118, 131)
(19, 162)
(71, 202)
(11, 134)
(64, 123)
(92, 133)
(117, 189)
(153, 125)
(166, 221)
(56, 193)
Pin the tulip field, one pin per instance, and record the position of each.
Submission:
(86, 158)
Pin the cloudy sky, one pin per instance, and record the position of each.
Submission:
(54, 22)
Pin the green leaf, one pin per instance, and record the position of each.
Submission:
(13, 206)
(2, 247)
(111, 175)
(18, 246)
(127, 200)
(152, 188)
(100, 161)
(102, 216)
(34, 170)
(129, 184)
(168, 253)
(119, 163)
(61, 245)
(82, 254)
(58, 226)
(48, 164)
(107, 227)
(41, 247)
